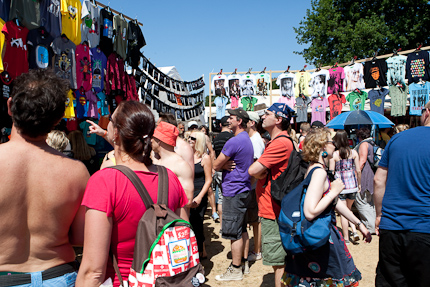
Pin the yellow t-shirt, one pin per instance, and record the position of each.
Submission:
(70, 110)
(1, 45)
(71, 19)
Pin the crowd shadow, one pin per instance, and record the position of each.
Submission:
(268, 280)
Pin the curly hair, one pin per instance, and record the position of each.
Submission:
(38, 102)
(314, 142)
(363, 133)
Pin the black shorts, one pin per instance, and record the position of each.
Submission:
(252, 212)
(234, 215)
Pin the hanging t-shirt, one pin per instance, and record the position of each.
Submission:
(291, 102)
(286, 82)
(83, 67)
(374, 73)
(15, 60)
(50, 17)
(318, 84)
(302, 83)
(120, 28)
(219, 85)
(98, 67)
(136, 41)
(70, 110)
(92, 104)
(6, 84)
(377, 100)
(2, 41)
(81, 104)
(4, 10)
(248, 85)
(220, 103)
(319, 107)
(103, 104)
(354, 77)
(71, 19)
(27, 12)
(263, 84)
(90, 138)
(248, 103)
(356, 100)
(106, 31)
(90, 23)
(419, 96)
(399, 98)
(335, 102)
(396, 70)
(234, 89)
(335, 83)
(417, 67)
(64, 61)
(39, 48)
(302, 108)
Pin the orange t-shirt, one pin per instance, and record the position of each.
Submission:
(275, 157)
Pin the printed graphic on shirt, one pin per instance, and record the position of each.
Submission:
(418, 68)
(234, 88)
(318, 84)
(107, 28)
(97, 73)
(287, 87)
(356, 104)
(85, 68)
(64, 65)
(219, 87)
(42, 58)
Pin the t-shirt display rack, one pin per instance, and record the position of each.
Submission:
(270, 72)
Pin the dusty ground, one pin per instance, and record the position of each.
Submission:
(218, 249)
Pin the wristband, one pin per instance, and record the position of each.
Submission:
(358, 224)
(105, 134)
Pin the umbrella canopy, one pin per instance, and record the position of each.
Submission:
(359, 118)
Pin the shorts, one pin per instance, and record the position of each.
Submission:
(234, 215)
(346, 196)
(252, 212)
(272, 250)
(59, 276)
(216, 183)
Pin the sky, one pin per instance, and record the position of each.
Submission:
(199, 36)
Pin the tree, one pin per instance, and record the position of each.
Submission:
(338, 30)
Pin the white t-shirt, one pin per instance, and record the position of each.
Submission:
(220, 85)
(318, 84)
(354, 77)
(234, 82)
(248, 85)
(263, 84)
(90, 26)
(287, 82)
(258, 146)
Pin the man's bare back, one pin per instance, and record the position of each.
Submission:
(40, 195)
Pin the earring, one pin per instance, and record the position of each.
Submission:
(324, 154)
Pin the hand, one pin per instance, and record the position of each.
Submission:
(196, 202)
(337, 186)
(366, 234)
(229, 165)
(377, 222)
(95, 129)
(359, 188)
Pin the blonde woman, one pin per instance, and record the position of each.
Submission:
(401, 128)
(57, 140)
(202, 183)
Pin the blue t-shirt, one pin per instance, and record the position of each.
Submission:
(406, 203)
(103, 104)
(220, 103)
(81, 105)
(240, 150)
(419, 96)
(377, 100)
(91, 139)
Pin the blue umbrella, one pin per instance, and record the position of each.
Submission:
(359, 118)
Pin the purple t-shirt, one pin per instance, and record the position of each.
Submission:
(319, 107)
(240, 150)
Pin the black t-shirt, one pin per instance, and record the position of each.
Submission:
(5, 92)
(417, 67)
(106, 32)
(135, 42)
(375, 73)
(39, 49)
(220, 141)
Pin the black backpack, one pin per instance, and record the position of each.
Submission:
(291, 177)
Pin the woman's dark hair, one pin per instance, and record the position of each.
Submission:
(136, 124)
(363, 133)
(342, 144)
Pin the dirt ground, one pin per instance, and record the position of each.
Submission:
(219, 257)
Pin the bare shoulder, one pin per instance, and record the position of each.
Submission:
(180, 166)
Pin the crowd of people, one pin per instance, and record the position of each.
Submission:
(50, 203)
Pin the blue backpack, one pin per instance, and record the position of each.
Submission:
(299, 235)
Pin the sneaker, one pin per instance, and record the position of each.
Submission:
(215, 217)
(220, 232)
(246, 268)
(355, 236)
(252, 256)
(346, 242)
(231, 274)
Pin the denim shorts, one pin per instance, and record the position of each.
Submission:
(346, 196)
(234, 215)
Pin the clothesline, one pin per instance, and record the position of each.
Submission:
(119, 13)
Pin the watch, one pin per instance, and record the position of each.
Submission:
(358, 224)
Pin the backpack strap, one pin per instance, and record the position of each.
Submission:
(163, 186)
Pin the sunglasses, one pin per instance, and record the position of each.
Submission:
(423, 111)
(110, 118)
(192, 138)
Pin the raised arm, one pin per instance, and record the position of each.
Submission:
(357, 168)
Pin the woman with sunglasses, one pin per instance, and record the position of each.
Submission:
(202, 183)
(113, 205)
(346, 165)
(330, 264)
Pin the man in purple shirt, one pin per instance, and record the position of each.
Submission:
(237, 152)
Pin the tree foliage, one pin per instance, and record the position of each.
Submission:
(338, 30)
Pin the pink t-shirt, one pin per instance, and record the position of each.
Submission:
(234, 102)
(83, 67)
(319, 107)
(291, 102)
(110, 191)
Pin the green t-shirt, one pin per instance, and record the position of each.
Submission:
(356, 100)
(248, 103)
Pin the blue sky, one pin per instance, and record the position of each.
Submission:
(199, 37)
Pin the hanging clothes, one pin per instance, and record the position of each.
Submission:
(234, 90)
(302, 83)
(354, 77)
(115, 76)
(319, 107)
(50, 17)
(396, 73)
(377, 100)
(419, 96)
(263, 84)
(40, 52)
(302, 108)
(356, 100)
(106, 31)
(71, 19)
(120, 28)
(335, 102)
(318, 84)
(27, 12)
(15, 60)
(248, 103)
(98, 65)
(248, 86)
(90, 23)
(375, 73)
(83, 67)
(287, 83)
(417, 67)
(336, 81)
(399, 98)
(136, 41)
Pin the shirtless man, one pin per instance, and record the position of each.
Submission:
(163, 146)
(41, 189)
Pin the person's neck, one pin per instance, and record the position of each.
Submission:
(274, 132)
(16, 135)
(238, 130)
(165, 150)
(225, 129)
(251, 132)
(122, 158)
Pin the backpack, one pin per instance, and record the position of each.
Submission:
(299, 235)
(291, 177)
(377, 153)
(165, 250)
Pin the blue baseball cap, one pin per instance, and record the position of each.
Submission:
(282, 110)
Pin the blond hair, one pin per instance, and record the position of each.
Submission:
(200, 145)
(57, 140)
(401, 128)
(314, 142)
(81, 150)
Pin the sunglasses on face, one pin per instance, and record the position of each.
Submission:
(192, 138)
(423, 111)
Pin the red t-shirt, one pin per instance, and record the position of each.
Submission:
(15, 60)
(335, 102)
(275, 157)
(83, 67)
(110, 191)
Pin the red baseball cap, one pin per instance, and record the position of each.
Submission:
(167, 133)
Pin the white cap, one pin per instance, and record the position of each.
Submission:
(192, 123)
(253, 116)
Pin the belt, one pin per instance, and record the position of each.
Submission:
(21, 279)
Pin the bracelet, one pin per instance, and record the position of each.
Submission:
(358, 224)
(329, 196)
(105, 134)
